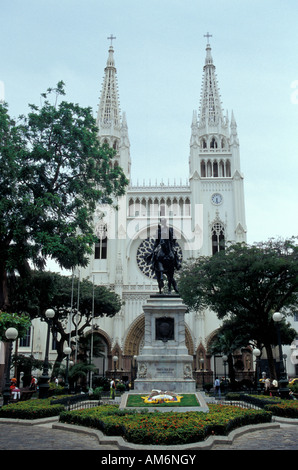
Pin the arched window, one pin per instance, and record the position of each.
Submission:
(209, 168)
(203, 169)
(213, 143)
(217, 238)
(228, 168)
(101, 247)
(131, 208)
(221, 168)
(215, 169)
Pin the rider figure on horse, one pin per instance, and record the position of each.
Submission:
(164, 257)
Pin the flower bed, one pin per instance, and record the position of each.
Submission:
(31, 409)
(285, 409)
(165, 428)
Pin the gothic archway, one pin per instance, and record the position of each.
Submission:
(101, 361)
(135, 337)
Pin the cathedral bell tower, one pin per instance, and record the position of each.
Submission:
(112, 128)
(110, 225)
(215, 177)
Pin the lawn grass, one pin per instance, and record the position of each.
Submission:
(188, 400)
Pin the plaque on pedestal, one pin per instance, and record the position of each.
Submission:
(164, 362)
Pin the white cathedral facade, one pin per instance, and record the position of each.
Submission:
(205, 213)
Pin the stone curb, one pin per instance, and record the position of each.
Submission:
(203, 445)
(53, 422)
(30, 422)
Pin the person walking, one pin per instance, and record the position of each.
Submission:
(112, 388)
(217, 388)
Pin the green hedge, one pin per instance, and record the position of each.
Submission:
(277, 406)
(257, 400)
(286, 409)
(31, 409)
(170, 428)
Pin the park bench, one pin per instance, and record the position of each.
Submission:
(25, 395)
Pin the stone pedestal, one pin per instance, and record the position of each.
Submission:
(164, 363)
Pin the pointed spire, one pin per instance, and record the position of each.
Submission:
(210, 109)
(109, 110)
(209, 59)
(124, 141)
(234, 134)
(194, 140)
(112, 129)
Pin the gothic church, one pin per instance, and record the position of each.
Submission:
(205, 213)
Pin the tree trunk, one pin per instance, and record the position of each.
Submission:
(231, 369)
(4, 295)
(272, 370)
(60, 353)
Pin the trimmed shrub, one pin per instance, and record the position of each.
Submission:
(286, 409)
(31, 409)
(169, 428)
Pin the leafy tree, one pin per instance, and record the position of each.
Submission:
(227, 339)
(43, 290)
(25, 364)
(8, 320)
(77, 372)
(246, 283)
(84, 347)
(53, 171)
(235, 334)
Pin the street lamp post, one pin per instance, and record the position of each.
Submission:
(133, 371)
(115, 359)
(225, 358)
(11, 334)
(283, 381)
(44, 380)
(202, 361)
(256, 352)
(67, 351)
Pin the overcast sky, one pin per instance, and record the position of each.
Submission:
(159, 55)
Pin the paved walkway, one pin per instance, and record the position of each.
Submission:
(284, 438)
(43, 437)
(20, 437)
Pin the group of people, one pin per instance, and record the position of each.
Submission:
(113, 386)
(15, 391)
(268, 384)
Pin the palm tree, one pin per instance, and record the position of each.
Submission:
(76, 373)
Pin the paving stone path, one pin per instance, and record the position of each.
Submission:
(20, 437)
(284, 438)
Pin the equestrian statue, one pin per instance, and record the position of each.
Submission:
(164, 258)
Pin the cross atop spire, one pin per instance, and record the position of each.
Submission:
(207, 36)
(111, 39)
